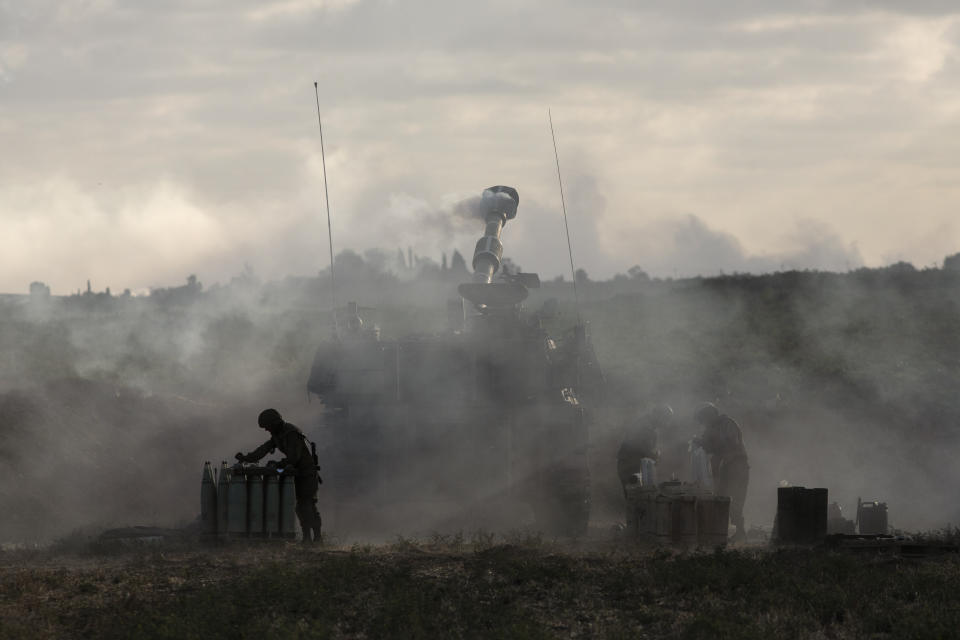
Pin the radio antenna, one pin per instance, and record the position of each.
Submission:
(326, 195)
(563, 204)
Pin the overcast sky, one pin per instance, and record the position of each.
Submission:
(144, 141)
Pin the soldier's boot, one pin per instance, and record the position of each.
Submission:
(305, 529)
(740, 535)
(311, 530)
(315, 526)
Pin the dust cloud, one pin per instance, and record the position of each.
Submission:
(839, 380)
(109, 405)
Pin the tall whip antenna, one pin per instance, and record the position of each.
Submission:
(326, 195)
(573, 273)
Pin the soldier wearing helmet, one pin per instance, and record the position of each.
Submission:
(723, 440)
(640, 441)
(298, 461)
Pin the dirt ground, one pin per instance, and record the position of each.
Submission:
(477, 586)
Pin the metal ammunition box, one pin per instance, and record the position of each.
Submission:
(801, 516)
(677, 514)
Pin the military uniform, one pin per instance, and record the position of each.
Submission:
(298, 462)
(723, 440)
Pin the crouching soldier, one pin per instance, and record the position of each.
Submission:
(298, 461)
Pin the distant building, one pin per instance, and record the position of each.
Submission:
(185, 294)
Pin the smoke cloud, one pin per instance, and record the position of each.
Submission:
(688, 247)
(110, 404)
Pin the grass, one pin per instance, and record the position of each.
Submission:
(471, 587)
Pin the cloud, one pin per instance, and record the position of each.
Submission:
(922, 46)
(688, 247)
(65, 235)
(749, 115)
(295, 9)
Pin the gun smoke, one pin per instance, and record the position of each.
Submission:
(110, 405)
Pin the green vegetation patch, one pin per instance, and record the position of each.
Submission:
(499, 591)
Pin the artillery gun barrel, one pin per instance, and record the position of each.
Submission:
(499, 205)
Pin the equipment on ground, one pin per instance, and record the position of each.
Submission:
(223, 483)
(872, 518)
(836, 523)
(247, 501)
(208, 502)
(676, 514)
(801, 516)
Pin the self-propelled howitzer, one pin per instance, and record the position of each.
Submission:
(481, 426)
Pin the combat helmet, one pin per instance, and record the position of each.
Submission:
(269, 419)
(707, 413)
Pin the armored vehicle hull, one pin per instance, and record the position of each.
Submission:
(478, 427)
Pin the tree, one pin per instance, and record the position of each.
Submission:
(636, 273)
(349, 263)
(457, 263)
(39, 290)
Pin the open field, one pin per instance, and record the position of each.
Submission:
(479, 587)
(846, 381)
